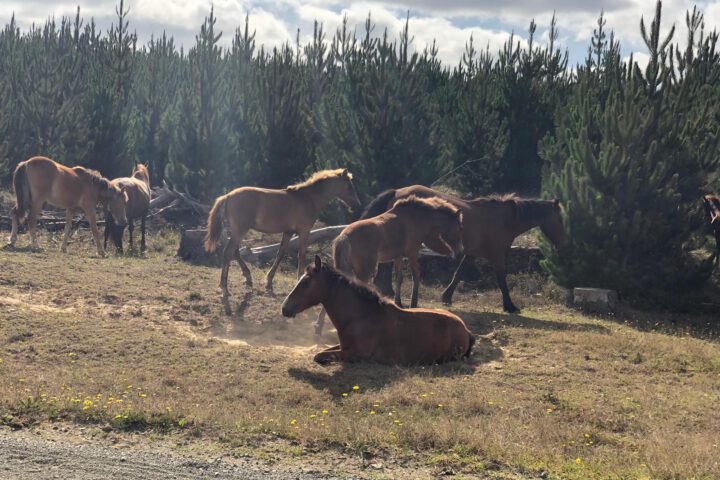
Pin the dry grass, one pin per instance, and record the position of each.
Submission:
(140, 342)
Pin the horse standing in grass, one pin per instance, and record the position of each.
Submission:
(490, 224)
(372, 329)
(39, 180)
(289, 211)
(397, 233)
(137, 205)
(712, 209)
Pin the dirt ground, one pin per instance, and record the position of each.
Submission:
(134, 353)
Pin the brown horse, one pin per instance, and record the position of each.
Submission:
(490, 224)
(397, 233)
(289, 211)
(373, 329)
(712, 209)
(137, 205)
(39, 180)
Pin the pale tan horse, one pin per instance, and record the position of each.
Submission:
(39, 180)
(289, 211)
(396, 234)
(137, 205)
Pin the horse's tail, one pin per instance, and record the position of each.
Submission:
(23, 196)
(341, 254)
(212, 238)
(378, 205)
(472, 340)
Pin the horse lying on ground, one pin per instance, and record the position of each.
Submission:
(289, 211)
(490, 224)
(372, 329)
(39, 180)
(397, 233)
(137, 205)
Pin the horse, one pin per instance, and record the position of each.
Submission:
(397, 233)
(490, 224)
(292, 210)
(373, 329)
(137, 205)
(39, 180)
(712, 210)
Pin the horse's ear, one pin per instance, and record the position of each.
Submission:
(318, 262)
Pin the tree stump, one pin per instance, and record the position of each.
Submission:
(192, 249)
(595, 299)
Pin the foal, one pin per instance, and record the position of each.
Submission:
(39, 180)
(397, 233)
(291, 210)
(137, 205)
(372, 329)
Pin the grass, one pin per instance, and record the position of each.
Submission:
(140, 342)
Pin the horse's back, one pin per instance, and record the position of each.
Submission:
(268, 210)
(425, 335)
(138, 196)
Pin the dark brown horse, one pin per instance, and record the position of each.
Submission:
(397, 233)
(490, 224)
(712, 209)
(372, 329)
(137, 205)
(289, 211)
(39, 180)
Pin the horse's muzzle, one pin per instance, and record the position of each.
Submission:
(287, 310)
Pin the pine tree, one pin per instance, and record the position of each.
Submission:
(624, 163)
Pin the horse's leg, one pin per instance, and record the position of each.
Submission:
(384, 279)
(142, 233)
(280, 255)
(320, 322)
(508, 305)
(450, 289)
(415, 269)
(302, 250)
(15, 215)
(69, 215)
(131, 229)
(90, 215)
(32, 223)
(228, 255)
(109, 225)
(397, 265)
(244, 268)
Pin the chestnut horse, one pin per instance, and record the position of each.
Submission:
(137, 205)
(397, 233)
(490, 224)
(373, 329)
(39, 180)
(289, 211)
(712, 209)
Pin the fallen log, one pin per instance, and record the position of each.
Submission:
(435, 266)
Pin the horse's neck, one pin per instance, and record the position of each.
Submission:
(320, 192)
(523, 223)
(341, 305)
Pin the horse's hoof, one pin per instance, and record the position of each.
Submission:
(511, 309)
(322, 360)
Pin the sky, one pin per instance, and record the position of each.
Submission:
(449, 22)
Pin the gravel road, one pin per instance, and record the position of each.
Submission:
(27, 457)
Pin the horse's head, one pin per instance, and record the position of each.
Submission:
(346, 190)
(114, 199)
(141, 173)
(451, 233)
(552, 225)
(308, 291)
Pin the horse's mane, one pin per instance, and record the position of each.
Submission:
(93, 176)
(363, 291)
(319, 176)
(430, 205)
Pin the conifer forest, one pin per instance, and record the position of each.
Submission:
(629, 150)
